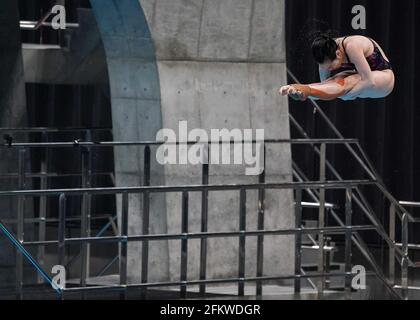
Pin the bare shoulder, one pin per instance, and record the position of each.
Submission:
(357, 42)
(361, 43)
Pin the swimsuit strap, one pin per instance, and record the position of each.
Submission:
(344, 48)
(374, 45)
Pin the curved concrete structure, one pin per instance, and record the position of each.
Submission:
(136, 115)
(218, 64)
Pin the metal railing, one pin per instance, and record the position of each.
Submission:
(44, 176)
(22, 252)
(242, 233)
(404, 245)
(205, 188)
(395, 206)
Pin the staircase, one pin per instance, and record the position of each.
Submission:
(398, 251)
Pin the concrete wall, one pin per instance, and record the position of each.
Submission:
(218, 65)
(136, 115)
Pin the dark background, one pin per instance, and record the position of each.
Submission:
(65, 106)
(387, 128)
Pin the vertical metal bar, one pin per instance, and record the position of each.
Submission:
(404, 263)
(184, 244)
(123, 244)
(85, 219)
(62, 229)
(348, 235)
(204, 221)
(321, 219)
(43, 205)
(260, 238)
(392, 249)
(298, 240)
(20, 225)
(146, 220)
(88, 200)
(242, 228)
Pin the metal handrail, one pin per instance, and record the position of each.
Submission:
(200, 235)
(317, 205)
(53, 129)
(211, 281)
(36, 25)
(18, 245)
(46, 220)
(190, 188)
(40, 175)
(410, 204)
(79, 143)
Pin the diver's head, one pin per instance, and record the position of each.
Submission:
(326, 52)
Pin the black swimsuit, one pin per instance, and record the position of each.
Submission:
(376, 61)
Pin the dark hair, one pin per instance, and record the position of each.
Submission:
(324, 47)
(299, 48)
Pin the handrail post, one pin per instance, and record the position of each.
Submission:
(124, 244)
(298, 240)
(321, 220)
(86, 215)
(261, 218)
(89, 164)
(242, 239)
(146, 221)
(204, 220)
(184, 245)
(43, 204)
(404, 262)
(391, 248)
(62, 229)
(348, 236)
(20, 224)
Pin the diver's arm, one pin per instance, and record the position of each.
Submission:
(357, 56)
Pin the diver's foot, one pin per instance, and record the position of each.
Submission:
(301, 92)
(297, 95)
(297, 92)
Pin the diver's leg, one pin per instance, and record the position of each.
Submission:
(384, 84)
(329, 89)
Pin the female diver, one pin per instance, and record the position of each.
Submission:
(349, 68)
